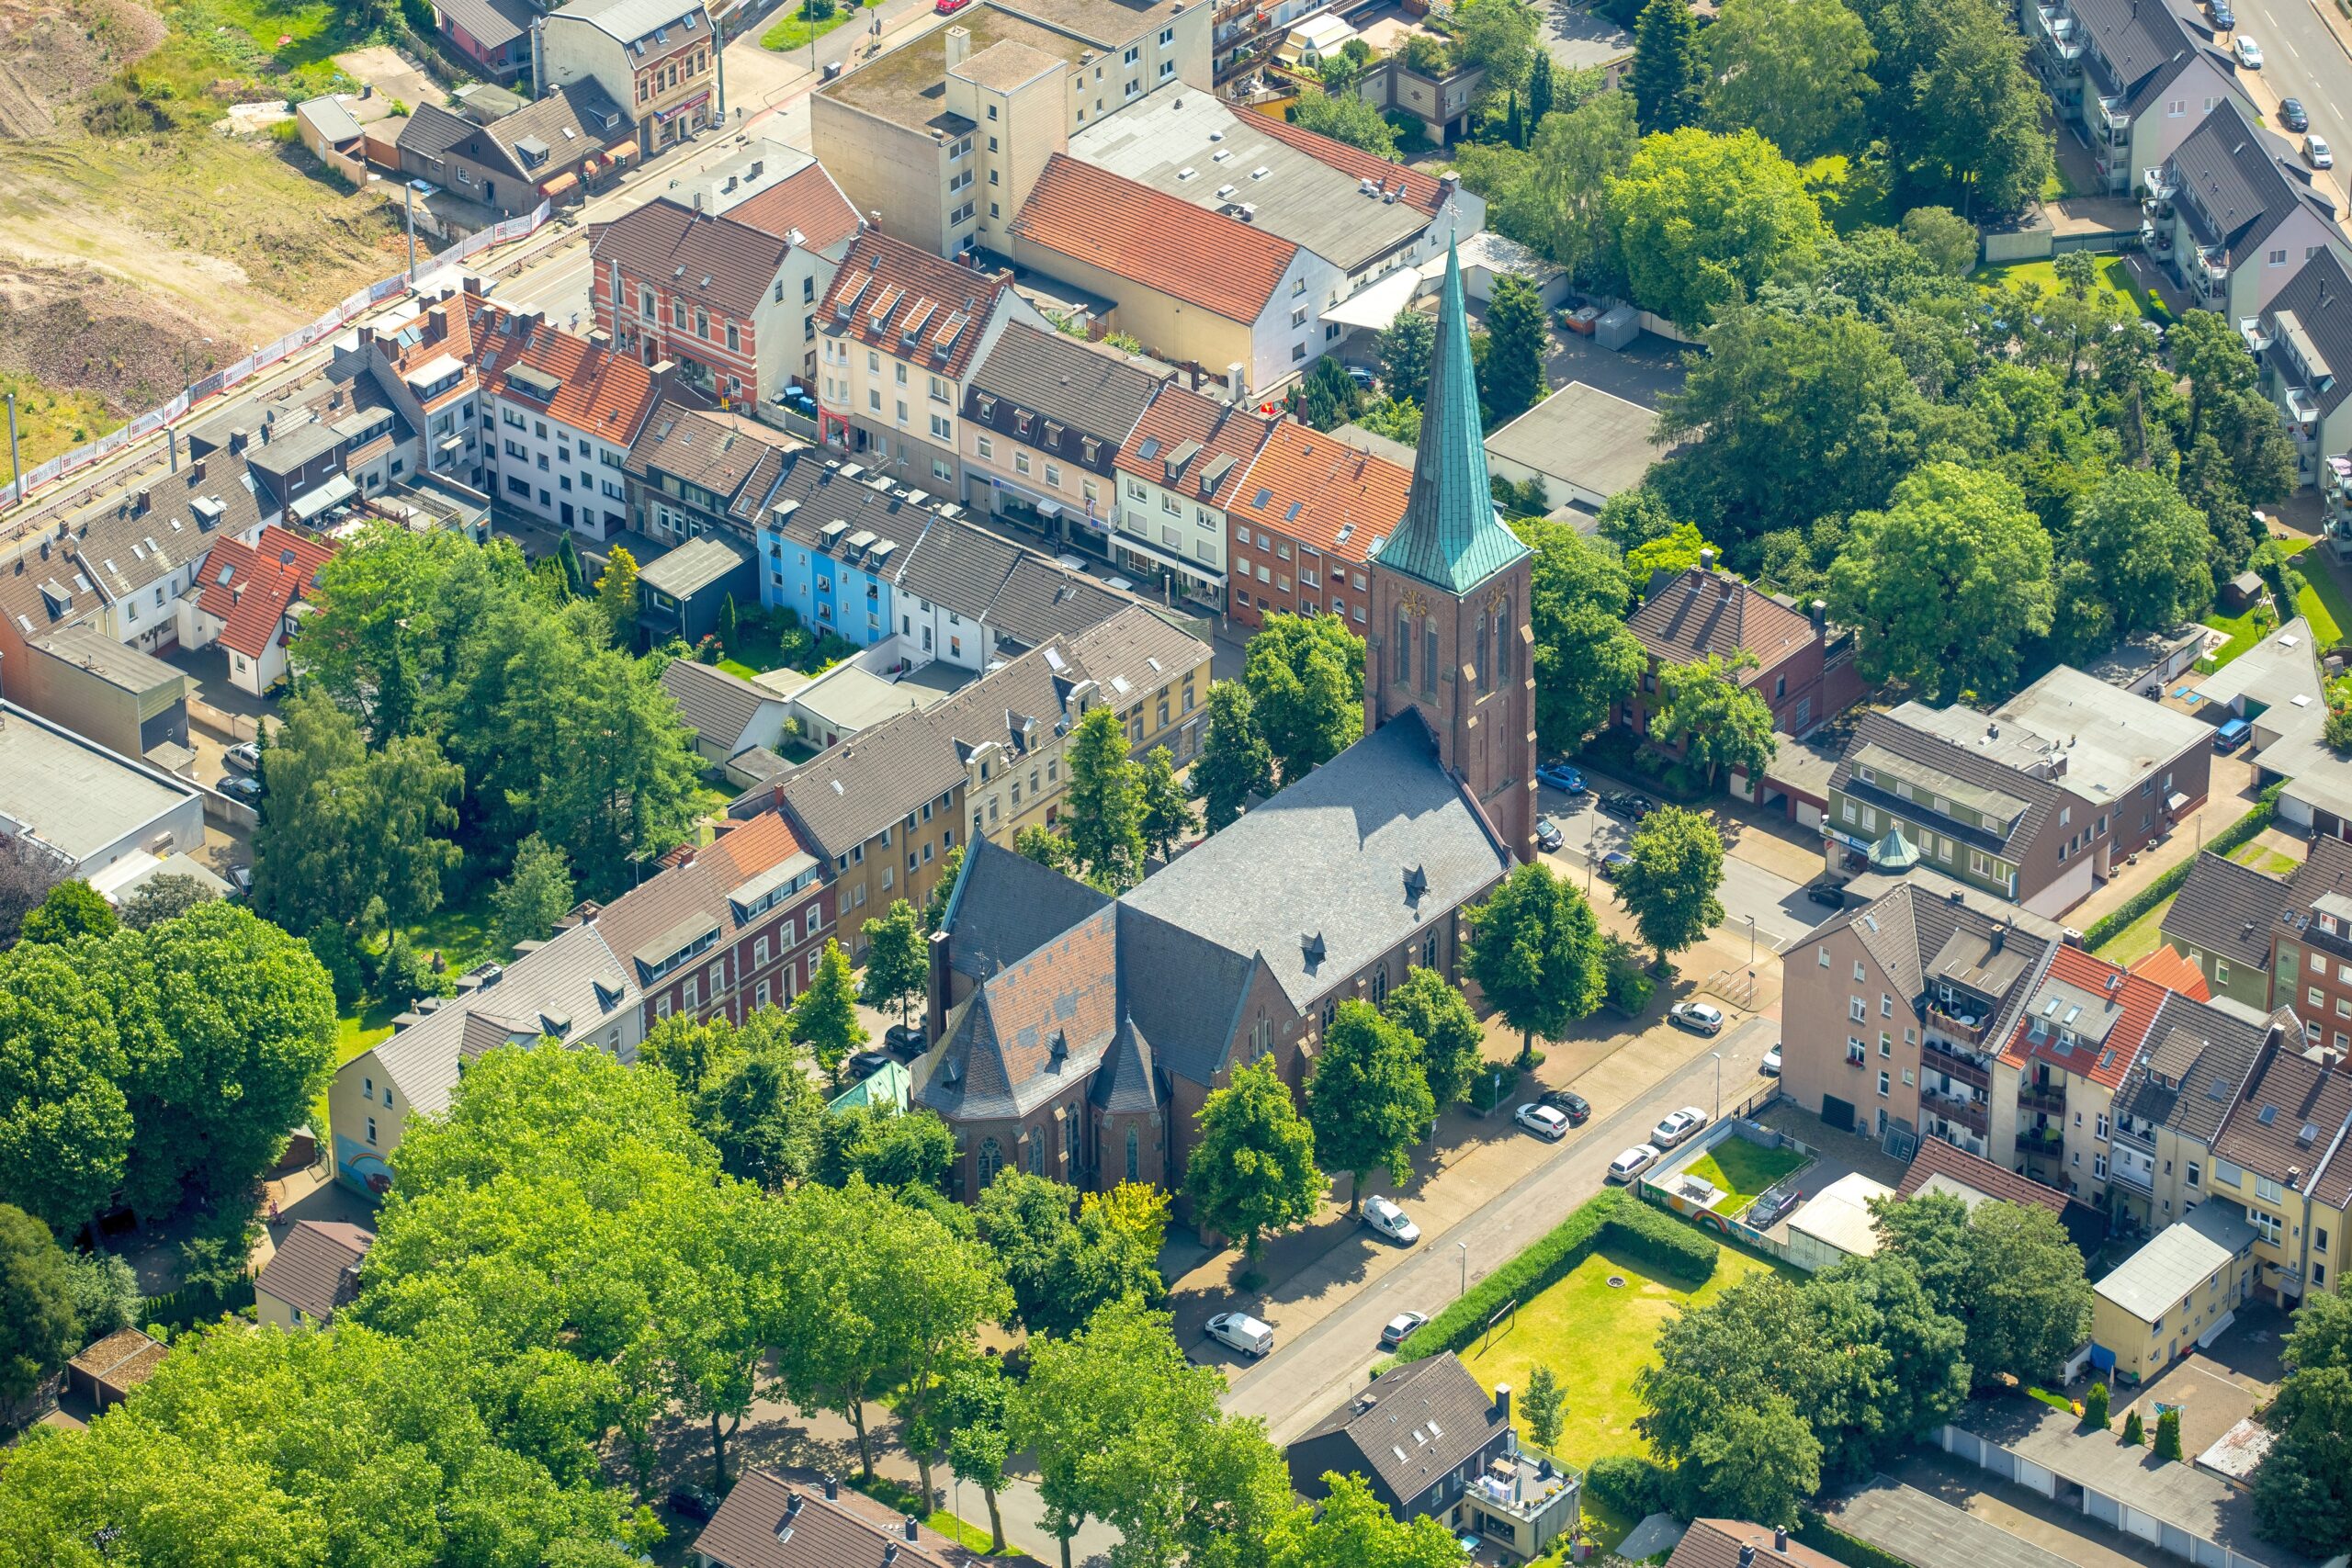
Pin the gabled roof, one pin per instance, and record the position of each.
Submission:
(2291, 1115)
(726, 456)
(717, 705)
(552, 134)
(250, 587)
(1323, 493)
(2310, 325)
(807, 203)
(2195, 1059)
(1034, 1029)
(719, 262)
(768, 1521)
(2227, 909)
(1041, 599)
(1716, 1543)
(1413, 1426)
(1006, 905)
(1918, 938)
(1451, 535)
(2244, 181)
(1942, 1166)
(2141, 47)
(1198, 255)
(649, 923)
(491, 22)
(580, 383)
(1200, 447)
(630, 21)
(889, 295)
(2108, 1010)
(307, 1271)
(1902, 744)
(1054, 377)
(1706, 610)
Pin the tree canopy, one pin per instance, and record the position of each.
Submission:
(1235, 763)
(1670, 882)
(1535, 953)
(1585, 658)
(1796, 72)
(1305, 676)
(2008, 1271)
(1704, 220)
(2302, 1492)
(1369, 1099)
(1253, 1170)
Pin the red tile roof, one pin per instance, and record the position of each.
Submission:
(809, 203)
(886, 287)
(1421, 190)
(1715, 1543)
(1322, 493)
(2134, 1000)
(2174, 973)
(249, 587)
(1179, 415)
(1189, 252)
(598, 392)
(714, 261)
(1937, 1157)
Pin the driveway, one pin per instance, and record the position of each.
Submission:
(392, 75)
(1752, 889)
(1579, 40)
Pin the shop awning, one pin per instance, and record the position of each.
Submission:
(560, 185)
(1378, 306)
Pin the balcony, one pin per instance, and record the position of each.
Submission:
(1951, 1064)
(2132, 1174)
(2130, 1138)
(2041, 1097)
(1963, 1027)
(1967, 1112)
(2047, 1142)
(2059, 37)
(2114, 123)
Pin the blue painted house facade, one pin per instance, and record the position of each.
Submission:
(832, 544)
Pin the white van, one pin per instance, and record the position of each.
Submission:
(1239, 1331)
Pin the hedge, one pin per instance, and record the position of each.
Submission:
(2232, 837)
(192, 1304)
(1612, 1218)
(1830, 1541)
(1633, 1485)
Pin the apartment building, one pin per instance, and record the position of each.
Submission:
(2235, 214)
(1804, 670)
(899, 331)
(559, 412)
(691, 473)
(1306, 520)
(1183, 465)
(2081, 1031)
(658, 60)
(943, 137)
(2312, 948)
(2281, 1156)
(726, 304)
(2136, 78)
(2304, 340)
(426, 367)
(550, 150)
(2183, 1286)
(1045, 418)
(2033, 802)
(2171, 1105)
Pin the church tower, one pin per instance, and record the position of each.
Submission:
(1450, 589)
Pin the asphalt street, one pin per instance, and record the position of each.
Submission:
(2301, 59)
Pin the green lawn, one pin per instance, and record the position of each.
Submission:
(1595, 1339)
(975, 1537)
(2323, 603)
(1743, 1170)
(2138, 940)
(2245, 632)
(2115, 277)
(2262, 857)
(795, 30)
(246, 34)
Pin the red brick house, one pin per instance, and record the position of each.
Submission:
(1804, 667)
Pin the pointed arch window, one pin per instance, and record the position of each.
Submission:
(1400, 658)
(1135, 1156)
(1478, 657)
(1503, 641)
(991, 1161)
(1429, 656)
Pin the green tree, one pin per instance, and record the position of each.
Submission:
(576, 580)
(339, 956)
(1673, 552)
(2147, 548)
(1585, 658)
(897, 960)
(1368, 1099)
(537, 891)
(1235, 763)
(41, 1327)
(1668, 73)
(1704, 220)
(1064, 1263)
(1438, 1017)
(1669, 887)
(27, 873)
(1049, 847)
(1539, 87)
(824, 1017)
(1797, 72)
(2095, 1407)
(72, 909)
(1946, 240)
(1326, 397)
(1345, 118)
(1947, 585)
(1546, 1407)
(1512, 377)
(730, 625)
(2008, 1271)
(1253, 1169)
(2135, 1435)
(1167, 816)
(1103, 808)
(951, 870)
(65, 1123)
(1405, 349)
(1976, 127)
(2207, 351)
(617, 592)
(885, 1147)
(750, 1091)
(1551, 196)
(163, 897)
(1718, 720)
(2302, 1491)
(1352, 1527)
(2168, 1434)
(975, 1409)
(1500, 35)
(1535, 954)
(1305, 676)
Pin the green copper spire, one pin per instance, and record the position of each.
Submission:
(1449, 536)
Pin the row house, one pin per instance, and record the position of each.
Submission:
(560, 414)
(658, 60)
(2274, 941)
(723, 302)
(2233, 214)
(2035, 802)
(2283, 1158)
(1306, 520)
(250, 598)
(2303, 341)
(900, 332)
(425, 366)
(944, 135)
(691, 473)
(2170, 1107)
(1804, 669)
(553, 149)
(1044, 417)
(1179, 472)
(2137, 79)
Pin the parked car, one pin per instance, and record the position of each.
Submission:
(1360, 376)
(1827, 893)
(1561, 776)
(905, 1040)
(2316, 154)
(863, 1066)
(1239, 1331)
(1613, 861)
(2249, 53)
(1626, 804)
(240, 877)
(1542, 1121)
(244, 756)
(2292, 116)
(242, 788)
(1569, 1103)
(2224, 19)
(1399, 1329)
(1548, 837)
(1632, 1162)
(1700, 1018)
(692, 1502)
(2231, 736)
(949, 7)
(1769, 1210)
(1677, 1126)
(1389, 1220)
(1771, 1066)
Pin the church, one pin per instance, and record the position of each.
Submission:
(1083, 1032)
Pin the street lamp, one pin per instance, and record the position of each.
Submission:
(1718, 1055)
(1752, 946)
(1464, 1247)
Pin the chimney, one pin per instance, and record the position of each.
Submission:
(909, 1526)
(1780, 1539)
(438, 318)
(934, 1009)
(1448, 182)
(1818, 612)
(1237, 382)
(959, 46)
(2000, 936)
(1502, 1403)
(237, 439)
(196, 471)
(473, 285)
(832, 1488)
(139, 502)
(1747, 1555)
(1707, 561)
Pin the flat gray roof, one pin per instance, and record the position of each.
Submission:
(2277, 668)
(855, 699)
(2111, 739)
(1583, 436)
(74, 792)
(121, 666)
(2177, 1258)
(693, 566)
(1923, 1530)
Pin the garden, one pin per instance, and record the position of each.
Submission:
(808, 21)
(1743, 1171)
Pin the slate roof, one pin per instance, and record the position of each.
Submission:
(2140, 47)
(1056, 377)
(1715, 1543)
(306, 1272)
(805, 202)
(1034, 1027)
(630, 20)
(250, 587)
(1322, 493)
(1451, 535)
(853, 790)
(2245, 182)
(719, 262)
(1707, 611)
(752, 1531)
(1916, 938)
(491, 22)
(1227, 441)
(1414, 1425)
(596, 390)
(1040, 600)
(1936, 1158)
(717, 704)
(2310, 323)
(2227, 909)
(886, 287)
(959, 566)
(1349, 837)
(1005, 906)
(1193, 253)
(570, 125)
(2290, 1096)
(1900, 740)
(721, 455)
(1129, 1081)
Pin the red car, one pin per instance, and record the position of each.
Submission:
(949, 7)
